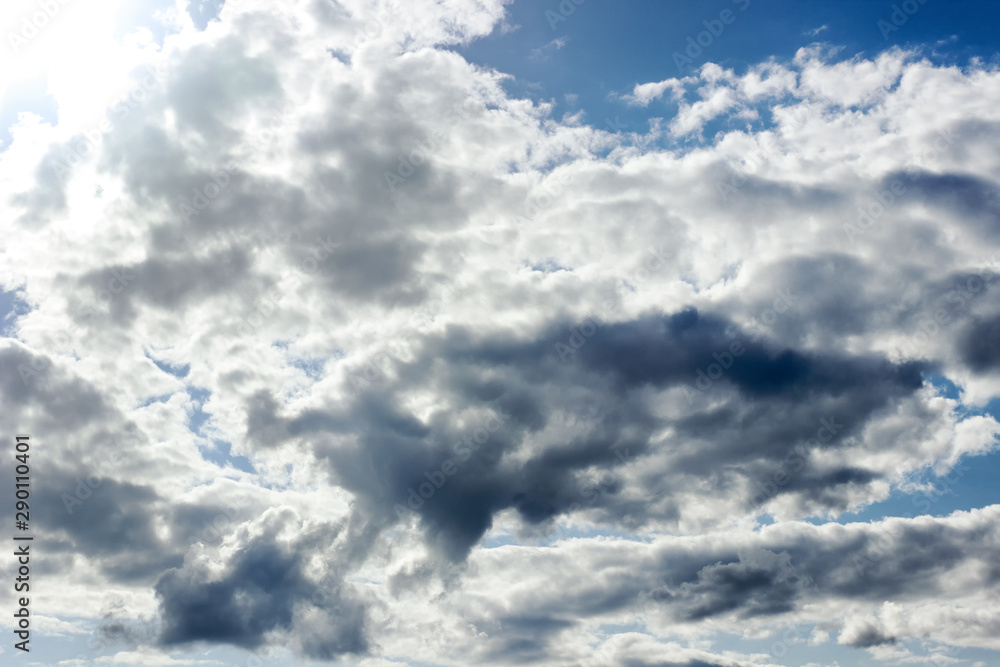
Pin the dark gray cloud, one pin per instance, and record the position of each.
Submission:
(33, 382)
(972, 199)
(82, 502)
(113, 524)
(527, 639)
(779, 573)
(265, 585)
(980, 344)
(867, 636)
(169, 285)
(773, 400)
(748, 587)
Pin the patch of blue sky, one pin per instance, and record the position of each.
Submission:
(971, 484)
(313, 368)
(25, 96)
(11, 307)
(499, 538)
(587, 58)
(177, 370)
(548, 266)
(220, 452)
(163, 398)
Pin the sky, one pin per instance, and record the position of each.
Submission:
(431, 333)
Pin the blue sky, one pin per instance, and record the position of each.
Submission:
(603, 48)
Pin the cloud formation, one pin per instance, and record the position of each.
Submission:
(511, 389)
